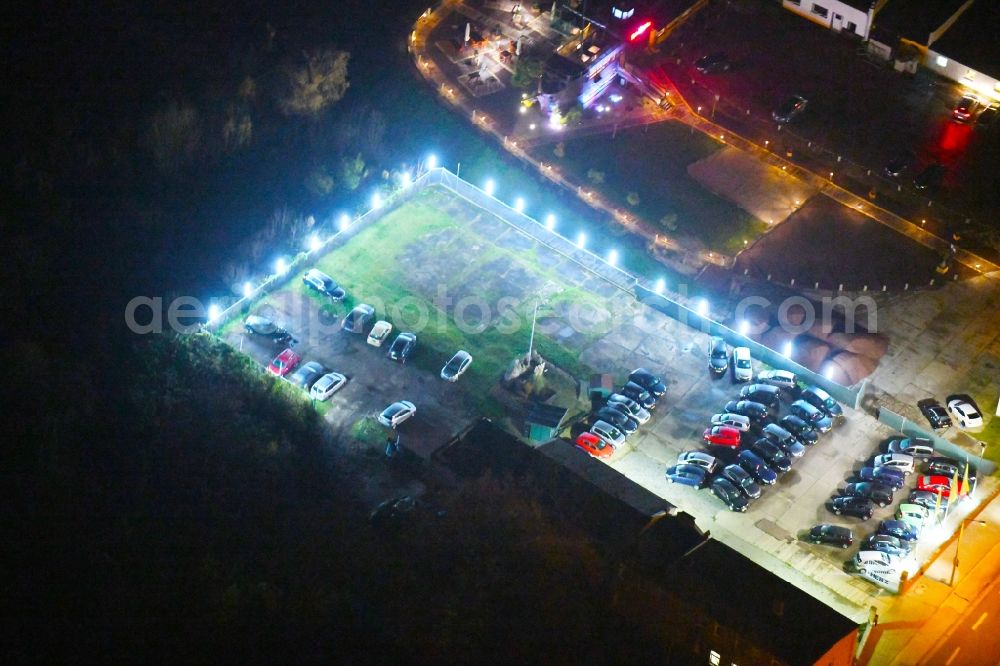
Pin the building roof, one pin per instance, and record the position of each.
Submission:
(914, 19)
(972, 39)
(546, 415)
(860, 5)
(673, 552)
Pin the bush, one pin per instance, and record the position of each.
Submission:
(595, 176)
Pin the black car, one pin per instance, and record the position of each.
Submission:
(324, 284)
(765, 394)
(931, 176)
(879, 493)
(648, 381)
(942, 466)
(359, 319)
(822, 401)
(784, 439)
(775, 458)
(639, 394)
(263, 327)
(935, 413)
(814, 417)
(748, 408)
(718, 356)
(898, 164)
(391, 509)
(403, 347)
(859, 507)
(884, 475)
(713, 63)
(307, 374)
(805, 432)
(928, 500)
(900, 529)
(617, 419)
(730, 495)
(790, 108)
(742, 480)
(831, 534)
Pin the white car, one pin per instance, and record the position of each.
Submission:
(458, 364)
(396, 413)
(742, 364)
(783, 379)
(896, 461)
(738, 421)
(380, 333)
(699, 458)
(327, 385)
(608, 433)
(629, 407)
(965, 414)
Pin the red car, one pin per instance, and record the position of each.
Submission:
(283, 363)
(722, 436)
(594, 445)
(935, 483)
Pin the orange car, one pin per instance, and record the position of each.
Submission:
(594, 445)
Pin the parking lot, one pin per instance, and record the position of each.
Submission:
(584, 326)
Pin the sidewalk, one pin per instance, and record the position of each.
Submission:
(913, 624)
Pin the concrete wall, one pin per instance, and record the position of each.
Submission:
(986, 87)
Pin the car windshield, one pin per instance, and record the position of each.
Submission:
(743, 363)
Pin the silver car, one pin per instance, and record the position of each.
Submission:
(608, 433)
(629, 407)
(396, 413)
(458, 364)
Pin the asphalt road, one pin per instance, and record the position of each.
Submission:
(976, 640)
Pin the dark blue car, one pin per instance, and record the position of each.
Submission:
(885, 475)
(900, 529)
(756, 466)
(687, 475)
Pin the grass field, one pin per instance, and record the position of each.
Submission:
(652, 162)
(440, 245)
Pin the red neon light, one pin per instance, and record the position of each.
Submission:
(639, 31)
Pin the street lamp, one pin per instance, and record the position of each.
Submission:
(703, 307)
(247, 290)
(661, 285)
(613, 257)
(788, 349)
(744, 327)
(979, 466)
(550, 221)
(213, 313)
(489, 187)
(581, 240)
(958, 544)
(280, 267)
(432, 161)
(519, 204)
(376, 201)
(345, 221)
(314, 243)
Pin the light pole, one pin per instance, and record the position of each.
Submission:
(979, 466)
(958, 544)
(531, 340)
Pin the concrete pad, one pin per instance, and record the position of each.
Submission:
(764, 191)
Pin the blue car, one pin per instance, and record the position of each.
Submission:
(756, 466)
(900, 529)
(885, 544)
(884, 475)
(688, 475)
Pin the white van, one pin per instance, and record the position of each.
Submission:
(742, 364)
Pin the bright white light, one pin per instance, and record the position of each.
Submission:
(247, 290)
(703, 307)
(405, 179)
(531, 126)
(345, 221)
(213, 312)
(280, 267)
(432, 161)
(314, 243)
(744, 327)
(376, 201)
(788, 349)
(524, 109)
(661, 286)
(616, 98)
(581, 240)
(613, 257)
(519, 205)
(828, 371)
(550, 221)
(489, 187)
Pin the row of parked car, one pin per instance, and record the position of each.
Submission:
(621, 414)
(876, 483)
(321, 382)
(758, 445)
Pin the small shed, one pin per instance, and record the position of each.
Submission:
(543, 421)
(601, 386)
